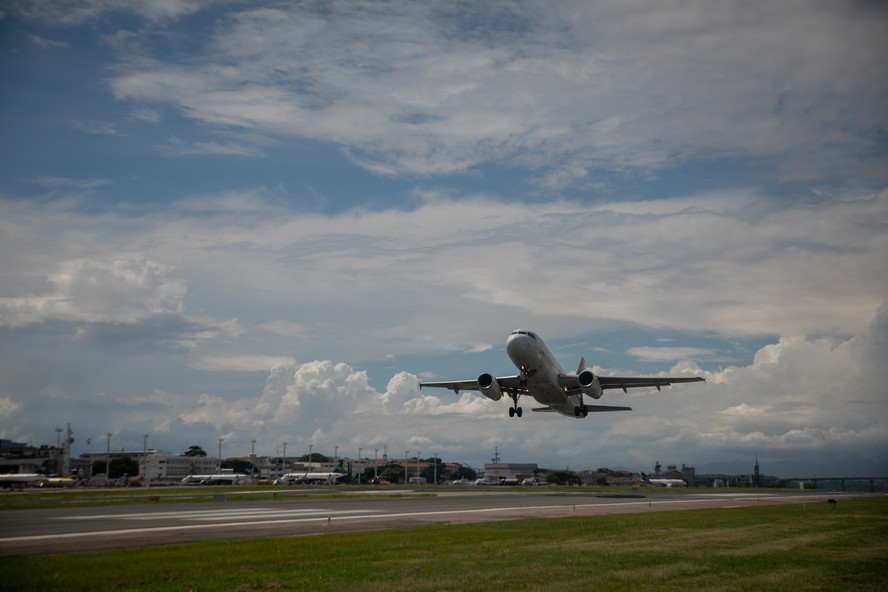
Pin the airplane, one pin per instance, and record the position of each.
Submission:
(21, 479)
(308, 478)
(543, 378)
(664, 482)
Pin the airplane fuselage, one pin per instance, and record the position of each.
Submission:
(541, 370)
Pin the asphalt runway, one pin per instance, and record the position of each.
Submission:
(63, 530)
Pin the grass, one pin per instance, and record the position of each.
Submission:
(789, 547)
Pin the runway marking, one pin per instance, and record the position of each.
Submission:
(221, 515)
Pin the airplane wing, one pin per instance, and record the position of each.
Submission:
(571, 382)
(505, 383)
(589, 408)
(612, 382)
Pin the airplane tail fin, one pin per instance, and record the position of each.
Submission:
(582, 365)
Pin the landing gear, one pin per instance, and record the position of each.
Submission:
(514, 410)
(580, 410)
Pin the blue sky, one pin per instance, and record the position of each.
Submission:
(270, 220)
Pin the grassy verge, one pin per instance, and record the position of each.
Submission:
(795, 547)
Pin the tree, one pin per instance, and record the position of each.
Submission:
(195, 450)
(392, 473)
(430, 472)
(124, 465)
(464, 472)
(238, 465)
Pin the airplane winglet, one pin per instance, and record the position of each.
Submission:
(582, 365)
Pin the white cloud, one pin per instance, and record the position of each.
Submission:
(126, 288)
(662, 354)
(240, 363)
(567, 90)
(8, 407)
(69, 183)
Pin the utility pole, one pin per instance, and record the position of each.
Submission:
(406, 464)
(108, 460)
(66, 459)
(144, 464)
(220, 454)
(284, 462)
(436, 468)
(375, 463)
(253, 458)
(362, 465)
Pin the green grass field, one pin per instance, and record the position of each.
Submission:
(785, 548)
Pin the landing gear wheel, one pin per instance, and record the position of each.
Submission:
(518, 411)
(511, 412)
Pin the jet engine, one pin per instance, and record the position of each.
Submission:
(489, 387)
(589, 384)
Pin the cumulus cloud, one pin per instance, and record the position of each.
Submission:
(122, 289)
(803, 399)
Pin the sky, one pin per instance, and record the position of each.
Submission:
(270, 220)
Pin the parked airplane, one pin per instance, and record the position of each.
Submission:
(543, 378)
(21, 479)
(308, 478)
(664, 482)
(218, 479)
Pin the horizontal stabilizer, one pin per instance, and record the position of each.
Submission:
(544, 410)
(597, 408)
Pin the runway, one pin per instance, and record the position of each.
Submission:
(61, 530)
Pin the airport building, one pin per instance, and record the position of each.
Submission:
(495, 472)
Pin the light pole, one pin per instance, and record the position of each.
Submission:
(375, 463)
(310, 446)
(253, 458)
(418, 455)
(335, 457)
(284, 461)
(108, 460)
(362, 464)
(220, 454)
(406, 464)
(143, 466)
(436, 468)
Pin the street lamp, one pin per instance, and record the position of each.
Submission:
(406, 464)
(284, 461)
(375, 463)
(108, 460)
(361, 463)
(436, 468)
(220, 454)
(143, 466)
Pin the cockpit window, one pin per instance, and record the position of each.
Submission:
(528, 333)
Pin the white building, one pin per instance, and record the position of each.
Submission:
(163, 467)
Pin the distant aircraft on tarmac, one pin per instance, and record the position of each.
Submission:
(309, 478)
(21, 479)
(543, 378)
(664, 482)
